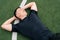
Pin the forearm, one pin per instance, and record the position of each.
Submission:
(9, 21)
(28, 5)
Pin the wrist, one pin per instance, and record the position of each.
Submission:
(22, 8)
(14, 17)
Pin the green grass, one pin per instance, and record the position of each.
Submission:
(48, 11)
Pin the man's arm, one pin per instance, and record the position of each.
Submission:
(7, 24)
(31, 5)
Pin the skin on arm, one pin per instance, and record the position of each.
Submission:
(7, 24)
(31, 5)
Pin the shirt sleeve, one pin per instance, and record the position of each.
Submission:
(14, 28)
(33, 12)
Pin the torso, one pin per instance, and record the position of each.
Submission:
(31, 26)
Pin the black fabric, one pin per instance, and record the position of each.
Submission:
(32, 27)
(14, 28)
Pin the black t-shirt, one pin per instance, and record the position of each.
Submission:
(32, 27)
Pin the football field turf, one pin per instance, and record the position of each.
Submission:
(48, 11)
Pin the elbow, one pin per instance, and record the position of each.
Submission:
(33, 3)
(2, 26)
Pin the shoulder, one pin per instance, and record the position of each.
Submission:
(34, 12)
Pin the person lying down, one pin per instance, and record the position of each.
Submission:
(29, 25)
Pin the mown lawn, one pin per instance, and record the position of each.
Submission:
(48, 11)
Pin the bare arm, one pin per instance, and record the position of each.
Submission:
(7, 24)
(31, 5)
